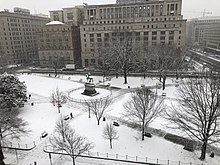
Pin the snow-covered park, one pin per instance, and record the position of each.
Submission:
(42, 116)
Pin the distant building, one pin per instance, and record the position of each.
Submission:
(58, 44)
(17, 36)
(41, 15)
(212, 37)
(203, 31)
(131, 1)
(71, 15)
(56, 15)
(149, 22)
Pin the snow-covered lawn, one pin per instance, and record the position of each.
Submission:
(43, 115)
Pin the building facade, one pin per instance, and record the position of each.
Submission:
(71, 15)
(151, 23)
(56, 15)
(130, 1)
(58, 44)
(212, 37)
(17, 36)
(196, 29)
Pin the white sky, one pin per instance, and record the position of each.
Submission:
(191, 8)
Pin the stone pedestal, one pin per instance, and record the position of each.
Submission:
(90, 90)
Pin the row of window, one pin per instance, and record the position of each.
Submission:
(124, 21)
(132, 27)
(129, 34)
(134, 11)
(54, 29)
(49, 47)
(17, 20)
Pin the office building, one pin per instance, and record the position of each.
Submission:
(71, 15)
(212, 37)
(150, 23)
(196, 29)
(17, 36)
(58, 44)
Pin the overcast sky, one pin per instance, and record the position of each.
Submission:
(191, 8)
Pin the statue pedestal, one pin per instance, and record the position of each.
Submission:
(90, 90)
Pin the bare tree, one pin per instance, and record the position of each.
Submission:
(61, 127)
(120, 52)
(166, 58)
(198, 112)
(180, 62)
(98, 106)
(66, 139)
(58, 98)
(143, 107)
(10, 127)
(145, 61)
(110, 133)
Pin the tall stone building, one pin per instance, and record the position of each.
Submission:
(58, 44)
(196, 29)
(17, 36)
(71, 17)
(150, 23)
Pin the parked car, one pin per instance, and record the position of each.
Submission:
(44, 134)
(67, 117)
(163, 94)
(147, 134)
(115, 123)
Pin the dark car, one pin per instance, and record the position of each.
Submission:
(44, 134)
(115, 123)
(67, 117)
(147, 134)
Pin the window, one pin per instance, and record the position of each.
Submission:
(70, 16)
(92, 61)
(154, 33)
(162, 33)
(171, 32)
(98, 35)
(171, 37)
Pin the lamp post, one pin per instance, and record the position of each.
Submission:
(156, 88)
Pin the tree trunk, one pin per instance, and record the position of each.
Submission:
(1, 155)
(142, 132)
(160, 76)
(58, 109)
(203, 150)
(177, 75)
(125, 75)
(110, 143)
(164, 82)
(73, 158)
(55, 71)
(98, 121)
(116, 74)
(89, 113)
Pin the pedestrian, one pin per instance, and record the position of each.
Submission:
(71, 115)
(29, 96)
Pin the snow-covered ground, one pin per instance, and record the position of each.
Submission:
(43, 115)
